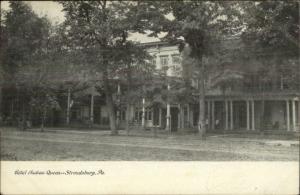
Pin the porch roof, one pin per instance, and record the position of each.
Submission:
(291, 95)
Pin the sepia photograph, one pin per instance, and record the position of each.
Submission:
(149, 81)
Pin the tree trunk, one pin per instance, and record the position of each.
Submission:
(23, 117)
(109, 103)
(262, 122)
(201, 122)
(68, 107)
(129, 82)
(127, 118)
(43, 119)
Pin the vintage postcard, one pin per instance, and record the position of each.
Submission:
(149, 97)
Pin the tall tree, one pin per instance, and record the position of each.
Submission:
(102, 27)
(22, 35)
(201, 24)
(134, 70)
(272, 28)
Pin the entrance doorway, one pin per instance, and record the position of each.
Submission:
(174, 119)
(240, 115)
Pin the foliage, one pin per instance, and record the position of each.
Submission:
(25, 33)
(272, 23)
(100, 30)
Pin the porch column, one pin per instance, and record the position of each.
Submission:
(182, 116)
(253, 115)
(208, 114)
(159, 117)
(287, 115)
(152, 117)
(143, 113)
(168, 117)
(188, 114)
(118, 109)
(231, 114)
(226, 115)
(213, 114)
(248, 115)
(294, 114)
(92, 109)
(131, 113)
(179, 115)
(168, 120)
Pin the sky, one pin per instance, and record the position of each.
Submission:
(53, 11)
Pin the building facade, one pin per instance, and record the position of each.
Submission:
(245, 106)
(253, 103)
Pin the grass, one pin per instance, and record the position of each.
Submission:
(65, 146)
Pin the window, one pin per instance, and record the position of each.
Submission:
(164, 61)
(140, 115)
(176, 69)
(136, 116)
(123, 115)
(153, 60)
(149, 115)
(176, 59)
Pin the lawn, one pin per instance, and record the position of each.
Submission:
(90, 146)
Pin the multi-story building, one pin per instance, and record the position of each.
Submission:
(264, 97)
(254, 102)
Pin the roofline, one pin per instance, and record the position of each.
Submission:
(156, 43)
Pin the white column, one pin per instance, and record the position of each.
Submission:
(168, 113)
(226, 115)
(143, 113)
(213, 114)
(253, 115)
(208, 114)
(159, 117)
(294, 114)
(287, 115)
(179, 115)
(152, 117)
(168, 117)
(92, 109)
(119, 89)
(248, 115)
(188, 115)
(118, 109)
(231, 115)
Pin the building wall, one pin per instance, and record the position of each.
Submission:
(172, 56)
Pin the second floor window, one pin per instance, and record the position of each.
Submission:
(164, 61)
(153, 60)
(176, 59)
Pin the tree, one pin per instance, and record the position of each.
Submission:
(102, 27)
(201, 24)
(25, 32)
(272, 29)
(273, 24)
(135, 69)
(22, 35)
